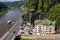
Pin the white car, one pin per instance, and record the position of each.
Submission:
(9, 21)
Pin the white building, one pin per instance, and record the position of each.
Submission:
(40, 28)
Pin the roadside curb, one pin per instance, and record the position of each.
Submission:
(6, 34)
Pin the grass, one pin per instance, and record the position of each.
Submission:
(36, 39)
(36, 21)
(2, 13)
(26, 39)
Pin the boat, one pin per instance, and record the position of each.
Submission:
(9, 21)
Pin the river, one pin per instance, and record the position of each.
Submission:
(12, 15)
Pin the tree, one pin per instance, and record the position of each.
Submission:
(33, 4)
(54, 15)
(51, 8)
(2, 6)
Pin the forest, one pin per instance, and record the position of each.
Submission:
(51, 8)
(3, 8)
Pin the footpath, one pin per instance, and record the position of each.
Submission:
(47, 37)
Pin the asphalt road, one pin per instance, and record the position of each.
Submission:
(12, 32)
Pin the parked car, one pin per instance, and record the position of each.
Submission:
(22, 33)
(23, 24)
(30, 33)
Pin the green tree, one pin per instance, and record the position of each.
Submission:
(54, 15)
(2, 6)
(50, 7)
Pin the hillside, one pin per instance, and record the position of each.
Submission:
(50, 8)
(13, 4)
(3, 8)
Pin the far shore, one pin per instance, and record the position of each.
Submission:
(5, 11)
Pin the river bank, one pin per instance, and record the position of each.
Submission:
(3, 12)
(12, 15)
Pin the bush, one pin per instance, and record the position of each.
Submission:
(54, 15)
(26, 39)
(26, 16)
(18, 37)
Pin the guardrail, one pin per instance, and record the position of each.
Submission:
(8, 35)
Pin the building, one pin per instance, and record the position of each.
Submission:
(41, 28)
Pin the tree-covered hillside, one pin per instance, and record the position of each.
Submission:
(3, 8)
(14, 4)
(51, 8)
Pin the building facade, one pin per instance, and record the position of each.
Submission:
(41, 29)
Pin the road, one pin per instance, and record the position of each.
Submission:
(12, 15)
(12, 32)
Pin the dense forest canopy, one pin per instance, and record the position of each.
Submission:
(3, 9)
(2, 6)
(14, 4)
(6, 6)
(49, 7)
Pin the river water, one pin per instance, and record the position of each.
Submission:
(13, 15)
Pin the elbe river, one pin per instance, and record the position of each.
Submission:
(12, 15)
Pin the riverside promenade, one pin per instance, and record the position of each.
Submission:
(12, 32)
(42, 37)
